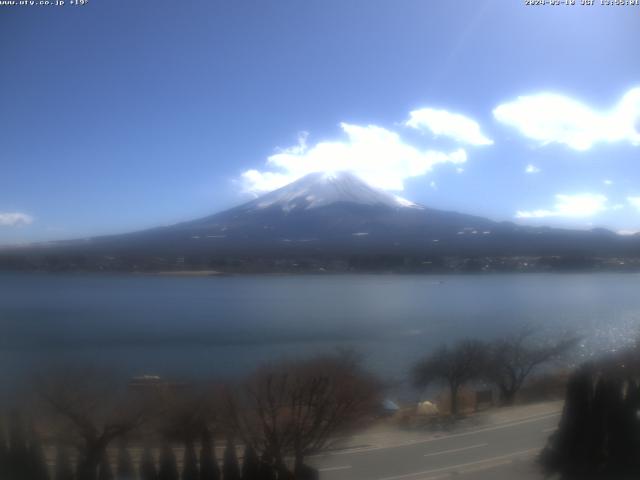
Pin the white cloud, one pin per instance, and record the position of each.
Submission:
(375, 154)
(580, 205)
(532, 169)
(607, 182)
(552, 118)
(15, 219)
(441, 122)
(634, 202)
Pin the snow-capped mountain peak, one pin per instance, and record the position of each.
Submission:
(321, 189)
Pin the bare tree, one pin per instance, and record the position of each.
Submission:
(38, 462)
(453, 366)
(126, 469)
(63, 469)
(92, 409)
(209, 469)
(148, 470)
(298, 408)
(185, 413)
(4, 452)
(512, 359)
(230, 465)
(18, 458)
(190, 462)
(168, 465)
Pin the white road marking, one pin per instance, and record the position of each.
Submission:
(444, 437)
(481, 468)
(454, 450)
(331, 469)
(453, 468)
(438, 477)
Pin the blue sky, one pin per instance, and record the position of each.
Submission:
(120, 115)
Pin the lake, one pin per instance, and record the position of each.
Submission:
(224, 326)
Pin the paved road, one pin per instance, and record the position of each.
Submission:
(502, 451)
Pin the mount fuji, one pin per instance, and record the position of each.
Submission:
(319, 213)
(338, 215)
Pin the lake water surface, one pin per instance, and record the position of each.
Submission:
(223, 326)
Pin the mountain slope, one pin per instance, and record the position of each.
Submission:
(341, 215)
(319, 213)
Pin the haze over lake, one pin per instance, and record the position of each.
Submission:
(222, 326)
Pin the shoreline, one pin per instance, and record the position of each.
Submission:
(183, 273)
(304, 273)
